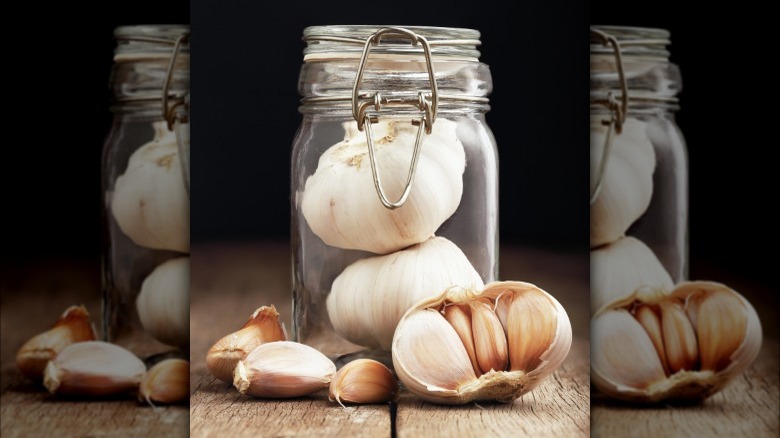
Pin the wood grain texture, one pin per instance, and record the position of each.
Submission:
(748, 407)
(33, 297)
(228, 282)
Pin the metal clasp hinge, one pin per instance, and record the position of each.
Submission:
(362, 102)
(175, 109)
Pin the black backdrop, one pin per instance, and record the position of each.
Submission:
(245, 62)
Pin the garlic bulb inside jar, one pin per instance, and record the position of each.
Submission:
(627, 184)
(368, 299)
(341, 205)
(464, 345)
(150, 202)
(685, 344)
(622, 267)
(164, 302)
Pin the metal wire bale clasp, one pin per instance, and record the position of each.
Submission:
(175, 109)
(361, 103)
(618, 109)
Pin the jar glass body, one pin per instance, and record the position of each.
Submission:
(145, 202)
(639, 217)
(355, 261)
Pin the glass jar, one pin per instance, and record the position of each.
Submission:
(394, 180)
(145, 179)
(639, 174)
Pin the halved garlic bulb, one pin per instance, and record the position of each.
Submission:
(368, 299)
(164, 302)
(687, 344)
(620, 268)
(150, 202)
(435, 361)
(341, 205)
(627, 184)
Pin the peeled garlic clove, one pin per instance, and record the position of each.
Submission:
(93, 369)
(166, 382)
(283, 370)
(164, 302)
(432, 361)
(73, 326)
(150, 202)
(263, 326)
(341, 205)
(363, 381)
(710, 334)
(627, 184)
(368, 299)
(618, 269)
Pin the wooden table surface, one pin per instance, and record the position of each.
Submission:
(230, 281)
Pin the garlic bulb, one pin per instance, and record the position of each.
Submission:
(164, 302)
(282, 370)
(686, 344)
(620, 268)
(150, 202)
(434, 360)
(73, 326)
(627, 184)
(368, 299)
(341, 205)
(263, 326)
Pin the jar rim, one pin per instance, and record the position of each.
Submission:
(640, 42)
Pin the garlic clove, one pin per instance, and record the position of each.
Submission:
(650, 320)
(531, 320)
(489, 339)
(71, 327)
(163, 304)
(429, 357)
(263, 326)
(283, 370)
(363, 381)
(150, 201)
(622, 267)
(460, 319)
(370, 296)
(622, 350)
(340, 203)
(679, 338)
(627, 184)
(93, 369)
(710, 334)
(432, 362)
(166, 382)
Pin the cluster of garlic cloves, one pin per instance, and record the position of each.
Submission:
(687, 344)
(497, 344)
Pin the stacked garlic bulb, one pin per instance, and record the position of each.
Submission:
(619, 263)
(150, 204)
(341, 206)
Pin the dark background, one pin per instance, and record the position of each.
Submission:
(245, 61)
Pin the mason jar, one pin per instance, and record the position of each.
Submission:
(639, 174)
(145, 185)
(394, 186)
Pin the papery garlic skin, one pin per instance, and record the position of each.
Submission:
(164, 302)
(342, 207)
(283, 370)
(627, 184)
(368, 299)
(150, 202)
(73, 326)
(262, 327)
(433, 363)
(626, 363)
(93, 369)
(620, 268)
